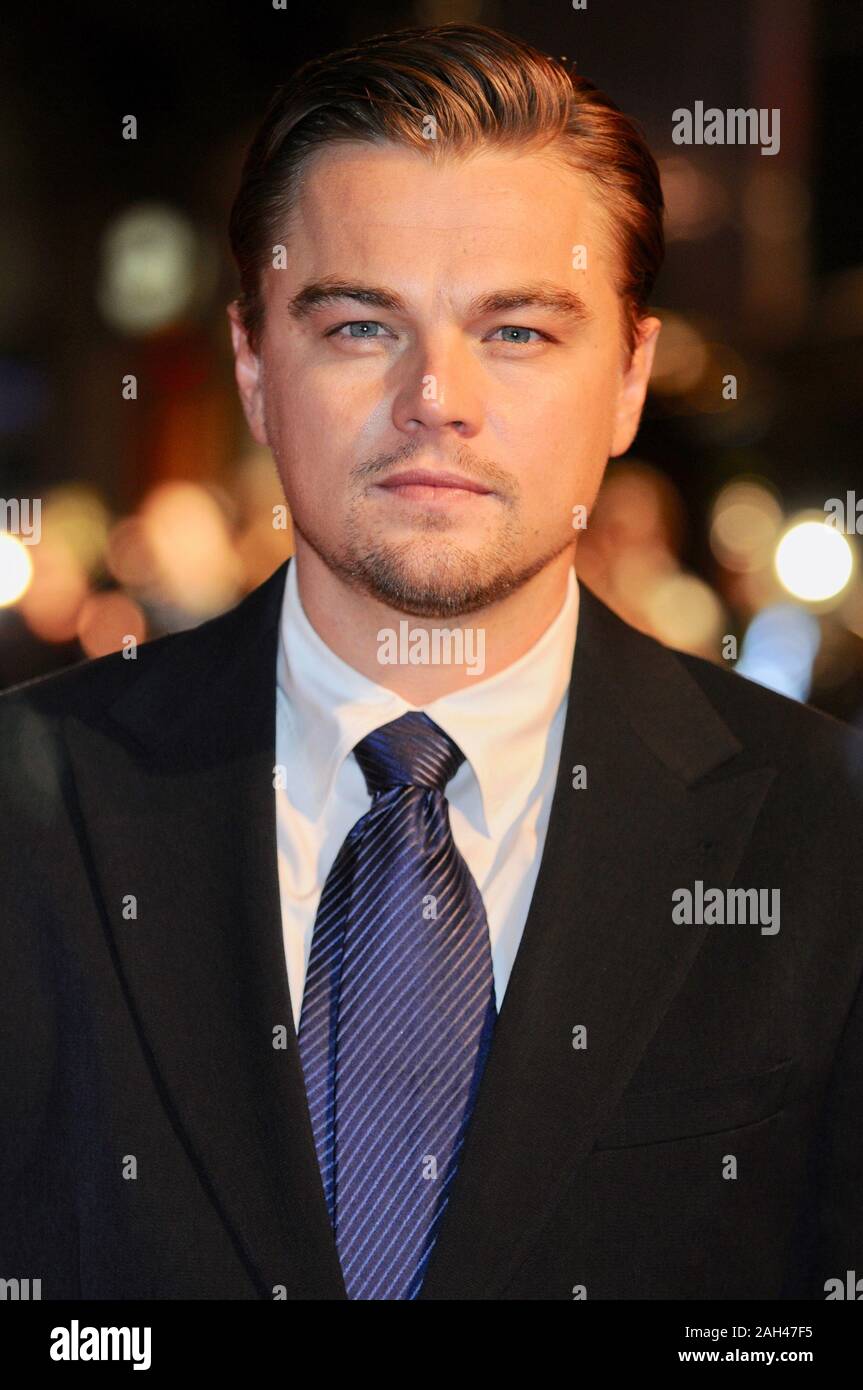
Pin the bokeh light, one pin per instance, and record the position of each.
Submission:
(685, 613)
(77, 514)
(148, 272)
(745, 522)
(107, 620)
(696, 202)
(187, 533)
(16, 568)
(59, 586)
(681, 356)
(814, 561)
(779, 650)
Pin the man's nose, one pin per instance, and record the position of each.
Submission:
(439, 388)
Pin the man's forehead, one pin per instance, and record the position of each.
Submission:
(394, 183)
(376, 203)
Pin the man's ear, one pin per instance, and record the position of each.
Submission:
(248, 373)
(633, 387)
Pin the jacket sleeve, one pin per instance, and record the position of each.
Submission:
(839, 1165)
(38, 1228)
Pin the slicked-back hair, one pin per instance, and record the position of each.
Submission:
(446, 92)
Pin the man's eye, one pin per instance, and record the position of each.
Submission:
(511, 328)
(365, 329)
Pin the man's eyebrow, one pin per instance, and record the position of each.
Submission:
(321, 292)
(554, 298)
(542, 295)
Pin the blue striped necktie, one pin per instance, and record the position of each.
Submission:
(398, 1013)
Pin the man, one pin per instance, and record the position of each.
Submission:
(418, 929)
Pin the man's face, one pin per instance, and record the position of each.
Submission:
(413, 371)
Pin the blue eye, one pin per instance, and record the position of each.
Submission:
(512, 328)
(362, 324)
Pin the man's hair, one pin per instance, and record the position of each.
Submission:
(447, 91)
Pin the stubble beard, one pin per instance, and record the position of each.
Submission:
(431, 575)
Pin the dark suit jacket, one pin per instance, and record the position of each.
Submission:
(606, 1167)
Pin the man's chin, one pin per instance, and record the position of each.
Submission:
(441, 586)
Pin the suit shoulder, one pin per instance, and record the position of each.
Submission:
(157, 688)
(91, 685)
(769, 726)
(763, 719)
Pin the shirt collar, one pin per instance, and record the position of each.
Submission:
(329, 706)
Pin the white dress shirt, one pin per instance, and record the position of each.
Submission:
(509, 727)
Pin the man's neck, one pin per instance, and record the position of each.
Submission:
(483, 643)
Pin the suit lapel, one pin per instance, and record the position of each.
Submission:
(179, 812)
(599, 948)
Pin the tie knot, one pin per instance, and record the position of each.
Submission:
(411, 751)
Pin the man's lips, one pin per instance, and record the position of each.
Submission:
(418, 477)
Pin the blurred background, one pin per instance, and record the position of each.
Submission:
(718, 533)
